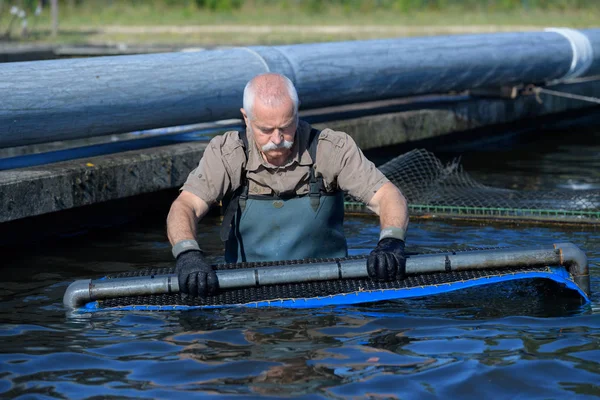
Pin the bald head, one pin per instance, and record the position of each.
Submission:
(271, 90)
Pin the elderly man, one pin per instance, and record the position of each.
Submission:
(282, 185)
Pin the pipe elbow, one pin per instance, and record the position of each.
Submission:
(577, 263)
(78, 294)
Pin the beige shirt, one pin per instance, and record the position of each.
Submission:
(339, 161)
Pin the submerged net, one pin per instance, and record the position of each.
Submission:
(433, 188)
(345, 290)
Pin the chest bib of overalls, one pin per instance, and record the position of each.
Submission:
(275, 229)
(269, 228)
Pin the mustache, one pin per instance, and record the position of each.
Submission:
(272, 146)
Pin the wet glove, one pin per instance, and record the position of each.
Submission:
(387, 262)
(196, 277)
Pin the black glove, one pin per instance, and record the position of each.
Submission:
(387, 262)
(195, 276)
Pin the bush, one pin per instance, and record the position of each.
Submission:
(220, 5)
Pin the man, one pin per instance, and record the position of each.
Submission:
(282, 185)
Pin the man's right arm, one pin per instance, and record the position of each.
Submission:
(183, 217)
(195, 276)
(204, 186)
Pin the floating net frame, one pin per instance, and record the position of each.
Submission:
(344, 281)
(311, 294)
(347, 292)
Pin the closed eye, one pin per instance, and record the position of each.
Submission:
(266, 131)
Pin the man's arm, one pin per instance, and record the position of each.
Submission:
(204, 186)
(186, 211)
(196, 277)
(388, 261)
(343, 161)
(389, 203)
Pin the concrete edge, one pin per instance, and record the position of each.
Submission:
(38, 190)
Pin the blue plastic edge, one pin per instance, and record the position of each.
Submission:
(557, 274)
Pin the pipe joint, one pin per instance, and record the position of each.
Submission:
(583, 53)
(577, 263)
(78, 293)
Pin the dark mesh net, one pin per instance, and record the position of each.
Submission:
(305, 290)
(432, 187)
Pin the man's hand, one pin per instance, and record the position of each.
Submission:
(387, 262)
(195, 276)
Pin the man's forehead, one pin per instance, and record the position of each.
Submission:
(274, 122)
(271, 102)
(281, 110)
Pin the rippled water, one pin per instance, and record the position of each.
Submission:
(455, 346)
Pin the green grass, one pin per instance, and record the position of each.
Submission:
(146, 14)
(90, 23)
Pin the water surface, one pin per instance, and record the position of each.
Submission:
(451, 346)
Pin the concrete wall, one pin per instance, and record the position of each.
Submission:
(34, 191)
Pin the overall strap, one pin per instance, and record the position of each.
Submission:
(238, 198)
(244, 186)
(315, 183)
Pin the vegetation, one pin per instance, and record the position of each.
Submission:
(222, 22)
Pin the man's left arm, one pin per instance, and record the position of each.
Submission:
(355, 174)
(388, 261)
(389, 203)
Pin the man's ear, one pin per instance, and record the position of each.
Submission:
(244, 115)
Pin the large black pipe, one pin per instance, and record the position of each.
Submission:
(45, 101)
(564, 254)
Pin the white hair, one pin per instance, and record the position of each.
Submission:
(250, 96)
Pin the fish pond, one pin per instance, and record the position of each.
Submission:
(461, 345)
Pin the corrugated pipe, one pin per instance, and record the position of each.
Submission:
(45, 101)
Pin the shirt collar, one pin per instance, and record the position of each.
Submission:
(300, 154)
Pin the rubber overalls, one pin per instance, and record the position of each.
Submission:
(274, 228)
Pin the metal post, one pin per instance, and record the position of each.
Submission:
(54, 12)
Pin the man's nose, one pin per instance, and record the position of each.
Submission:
(277, 136)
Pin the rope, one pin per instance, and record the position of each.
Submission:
(575, 80)
(539, 90)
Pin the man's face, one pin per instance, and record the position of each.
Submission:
(274, 129)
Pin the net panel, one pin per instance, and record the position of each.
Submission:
(432, 187)
(306, 290)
